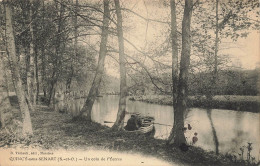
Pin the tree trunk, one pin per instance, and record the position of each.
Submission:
(75, 45)
(43, 58)
(6, 61)
(44, 86)
(32, 94)
(36, 76)
(27, 125)
(27, 69)
(12, 71)
(215, 75)
(4, 100)
(181, 105)
(119, 124)
(174, 39)
(52, 87)
(87, 108)
(28, 79)
(31, 65)
(55, 72)
(8, 65)
(5, 75)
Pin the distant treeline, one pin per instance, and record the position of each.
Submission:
(229, 82)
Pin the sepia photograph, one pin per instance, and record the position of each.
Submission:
(129, 82)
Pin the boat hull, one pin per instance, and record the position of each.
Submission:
(147, 125)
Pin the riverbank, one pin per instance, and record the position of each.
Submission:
(239, 103)
(53, 130)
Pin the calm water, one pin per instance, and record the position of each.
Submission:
(233, 129)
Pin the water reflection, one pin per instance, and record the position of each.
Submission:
(230, 129)
(214, 133)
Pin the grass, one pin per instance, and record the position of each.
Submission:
(239, 103)
(53, 130)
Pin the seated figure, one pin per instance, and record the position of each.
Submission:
(133, 123)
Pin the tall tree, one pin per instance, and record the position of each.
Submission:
(43, 57)
(216, 49)
(24, 42)
(58, 51)
(214, 81)
(174, 39)
(32, 62)
(4, 100)
(119, 124)
(74, 21)
(181, 105)
(10, 47)
(87, 108)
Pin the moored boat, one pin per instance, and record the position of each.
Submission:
(147, 124)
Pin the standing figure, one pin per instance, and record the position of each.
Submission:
(194, 138)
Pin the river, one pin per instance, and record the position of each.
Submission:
(231, 129)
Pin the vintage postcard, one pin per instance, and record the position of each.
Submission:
(129, 82)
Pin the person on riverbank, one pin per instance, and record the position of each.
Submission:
(194, 138)
(133, 123)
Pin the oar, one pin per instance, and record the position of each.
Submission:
(153, 123)
(162, 124)
(110, 122)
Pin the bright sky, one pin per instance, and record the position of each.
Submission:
(247, 52)
(244, 53)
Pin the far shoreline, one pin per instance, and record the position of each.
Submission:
(229, 102)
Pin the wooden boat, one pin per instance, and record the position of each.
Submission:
(147, 125)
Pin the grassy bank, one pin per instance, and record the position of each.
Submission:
(240, 103)
(53, 130)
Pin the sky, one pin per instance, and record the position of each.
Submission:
(243, 54)
(247, 52)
